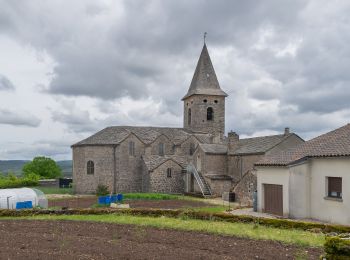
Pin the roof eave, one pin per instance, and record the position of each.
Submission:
(224, 94)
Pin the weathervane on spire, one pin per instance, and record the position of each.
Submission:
(205, 36)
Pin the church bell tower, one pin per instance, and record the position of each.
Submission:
(204, 103)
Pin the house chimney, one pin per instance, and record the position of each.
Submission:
(233, 139)
(286, 131)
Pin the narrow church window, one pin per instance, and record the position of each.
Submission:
(189, 116)
(90, 168)
(161, 149)
(131, 148)
(168, 172)
(210, 113)
(192, 148)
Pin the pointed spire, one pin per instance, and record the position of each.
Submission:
(204, 81)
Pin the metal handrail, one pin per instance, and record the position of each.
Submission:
(192, 169)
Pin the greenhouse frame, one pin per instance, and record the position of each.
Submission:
(16, 198)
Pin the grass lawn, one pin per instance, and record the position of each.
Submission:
(213, 209)
(253, 231)
(155, 196)
(55, 190)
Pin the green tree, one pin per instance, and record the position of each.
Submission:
(42, 166)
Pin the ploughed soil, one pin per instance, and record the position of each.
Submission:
(31, 239)
(158, 204)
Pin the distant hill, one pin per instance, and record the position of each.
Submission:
(16, 166)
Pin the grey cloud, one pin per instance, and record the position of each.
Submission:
(149, 49)
(51, 149)
(123, 57)
(5, 83)
(77, 121)
(8, 117)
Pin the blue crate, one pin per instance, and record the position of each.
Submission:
(104, 200)
(110, 199)
(24, 205)
(114, 198)
(120, 197)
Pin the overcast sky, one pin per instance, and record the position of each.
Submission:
(71, 68)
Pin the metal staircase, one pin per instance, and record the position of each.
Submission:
(203, 185)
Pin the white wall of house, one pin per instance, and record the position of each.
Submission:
(299, 190)
(273, 175)
(321, 207)
(305, 189)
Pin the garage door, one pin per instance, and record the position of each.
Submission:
(273, 198)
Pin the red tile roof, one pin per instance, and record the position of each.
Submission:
(332, 144)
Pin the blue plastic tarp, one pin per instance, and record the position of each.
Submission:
(24, 205)
(110, 199)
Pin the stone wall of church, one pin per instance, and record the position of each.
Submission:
(245, 188)
(145, 178)
(198, 104)
(161, 183)
(153, 148)
(103, 158)
(185, 147)
(129, 167)
(218, 187)
(239, 165)
(211, 163)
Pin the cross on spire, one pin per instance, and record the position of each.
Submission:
(205, 36)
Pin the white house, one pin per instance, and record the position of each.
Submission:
(310, 181)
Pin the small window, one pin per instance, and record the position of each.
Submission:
(215, 101)
(168, 172)
(131, 148)
(205, 101)
(210, 113)
(335, 187)
(173, 148)
(90, 167)
(189, 116)
(192, 148)
(161, 149)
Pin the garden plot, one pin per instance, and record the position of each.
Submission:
(34, 239)
(87, 202)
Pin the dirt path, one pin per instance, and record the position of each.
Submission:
(159, 204)
(24, 239)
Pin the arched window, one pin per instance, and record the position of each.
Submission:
(210, 113)
(90, 167)
(168, 172)
(131, 148)
(192, 148)
(161, 149)
(189, 116)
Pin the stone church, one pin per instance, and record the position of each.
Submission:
(197, 158)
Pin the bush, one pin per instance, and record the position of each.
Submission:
(102, 190)
(11, 181)
(44, 167)
(337, 247)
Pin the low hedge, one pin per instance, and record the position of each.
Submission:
(14, 182)
(337, 247)
(278, 223)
